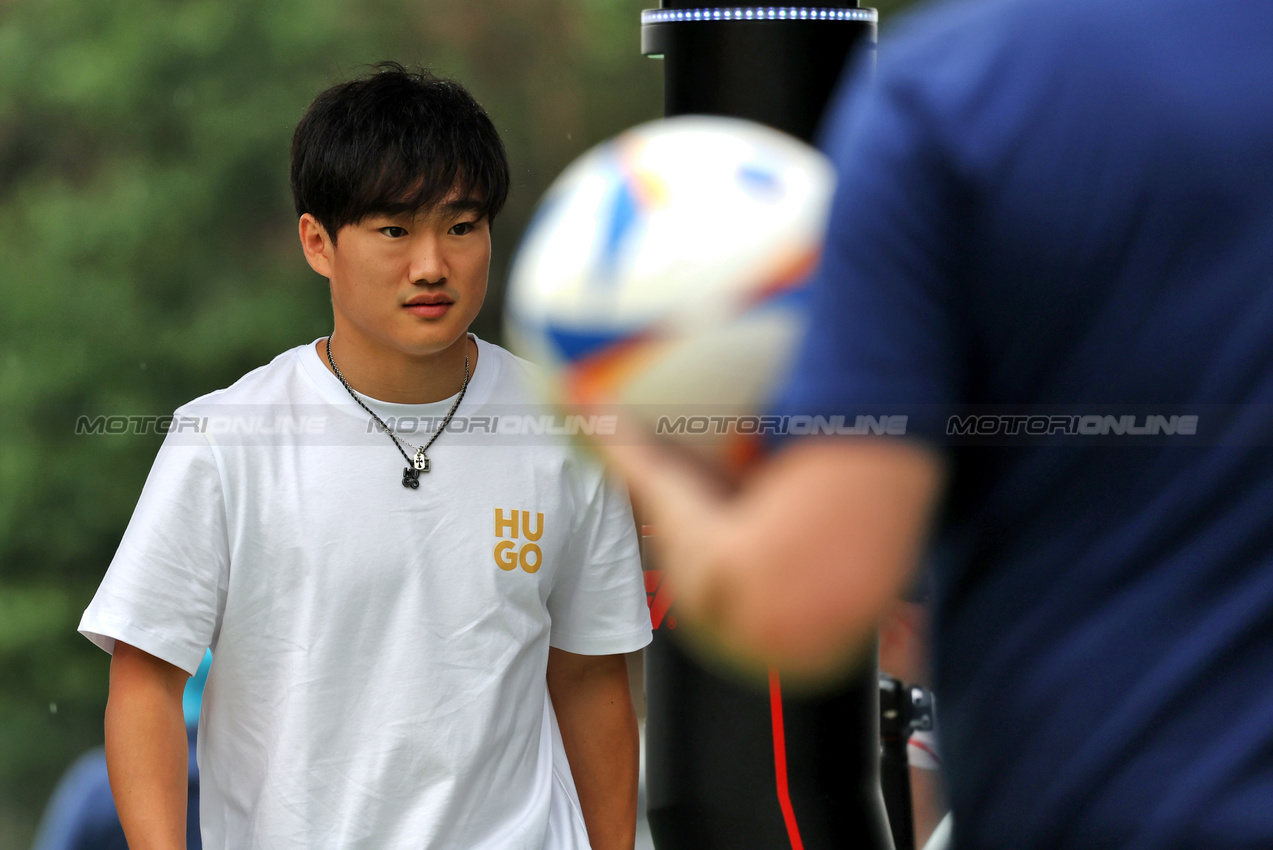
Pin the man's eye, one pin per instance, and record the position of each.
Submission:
(462, 228)
(394, 232)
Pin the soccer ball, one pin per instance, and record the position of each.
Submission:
(663, 271)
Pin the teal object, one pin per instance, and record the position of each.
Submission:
(192, 697)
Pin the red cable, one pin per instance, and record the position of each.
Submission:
(920, 745)
(780, 761)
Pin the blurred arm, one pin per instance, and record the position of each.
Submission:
(795, 569)
(593, 702)
(147, 752)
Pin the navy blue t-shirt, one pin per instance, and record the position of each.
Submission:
(1066, 210)
(81, 814)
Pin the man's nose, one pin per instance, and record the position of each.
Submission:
(428, 261)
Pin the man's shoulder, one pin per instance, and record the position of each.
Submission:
(982, 33)
(272, 382)
(519, 401)
(515, 379)
(519, 368)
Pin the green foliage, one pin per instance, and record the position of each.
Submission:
(148, 255)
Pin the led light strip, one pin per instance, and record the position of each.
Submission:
(758, 13)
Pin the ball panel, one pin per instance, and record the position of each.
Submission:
(728, 368)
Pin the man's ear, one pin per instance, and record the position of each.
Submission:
(317, 245)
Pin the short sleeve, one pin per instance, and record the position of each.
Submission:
(597, 603)
(882, 335)
(165, 589)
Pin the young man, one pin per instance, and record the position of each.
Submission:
(408, 653)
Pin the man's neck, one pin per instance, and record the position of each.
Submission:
(397, 377)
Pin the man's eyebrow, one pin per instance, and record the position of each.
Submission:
(458, 205)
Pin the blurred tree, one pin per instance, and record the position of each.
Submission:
(148, 255)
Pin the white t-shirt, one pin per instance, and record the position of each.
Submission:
(379, 652)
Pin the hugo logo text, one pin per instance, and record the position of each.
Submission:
(512, 527)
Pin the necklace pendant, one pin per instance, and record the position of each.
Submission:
(421, 462)
(411, 478)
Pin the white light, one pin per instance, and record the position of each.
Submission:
(766, 13)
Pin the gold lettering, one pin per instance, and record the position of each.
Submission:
(539, 529)
(501, 523)
(525, 557)
(504, 555)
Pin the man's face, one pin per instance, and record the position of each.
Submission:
(410, 284)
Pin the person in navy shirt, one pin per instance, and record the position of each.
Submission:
(81, 814)
(1052, 250)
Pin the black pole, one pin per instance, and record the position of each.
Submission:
(711, 763)
(767, 63)
(895, 770)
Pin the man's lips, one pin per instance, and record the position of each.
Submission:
(428, 306)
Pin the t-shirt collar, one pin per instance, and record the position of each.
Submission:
(333, 392)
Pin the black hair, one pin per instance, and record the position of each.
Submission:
(394, 142)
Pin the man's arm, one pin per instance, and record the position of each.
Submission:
(147, 752)
(794, 569)
(593, 702)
